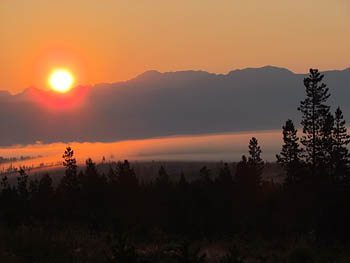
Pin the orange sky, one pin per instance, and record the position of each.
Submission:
(111, 40)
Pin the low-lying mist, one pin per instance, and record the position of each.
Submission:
(213, 147)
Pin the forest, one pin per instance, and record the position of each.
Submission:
(233, 215)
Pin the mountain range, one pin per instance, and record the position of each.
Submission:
(156, 104)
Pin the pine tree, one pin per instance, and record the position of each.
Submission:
(328, 143)
(126, 174)
(315, 111)
(341, 156)
(5, 184)
(69, 182)
(291, 153)
(254, 160)
(22, 183)
(242, 170)
(90, 167)
(225, 176)
(249, 171)
(163, 177)
(182, 182)
(45, 186)
(205, 175)
(91, 179)
(69, 162)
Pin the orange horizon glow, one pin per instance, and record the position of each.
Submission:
(57, 101)
(208, 147)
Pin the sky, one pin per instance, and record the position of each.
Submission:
(114, 40)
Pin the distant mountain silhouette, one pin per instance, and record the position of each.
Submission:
(161, 104)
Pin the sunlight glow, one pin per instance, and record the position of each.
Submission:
(61, 80)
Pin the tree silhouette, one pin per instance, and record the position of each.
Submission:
(45, 185)
(255, 162)
(205, 176)
(5, 183)
(249, 170)
(126, 175)
(69, 187)
(242, 169)
(291, 154)
(327, 146)
(22, 184)
(341, 157)
(69, 161)
(225, 176)
(163, 178)
(314, 112)
(70, 181)
(183, 184)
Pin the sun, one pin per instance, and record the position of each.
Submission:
(61, 80)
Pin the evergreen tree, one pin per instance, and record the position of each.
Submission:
(69, 162)
(93, 191)
(90, 168)
(5, 183)
(91, 180)
(225, 177)
(182, 182)
(291, 153)
(314, 113)
(255, 162)
(126, 175)
(327, 143)
(45, 186)
(249, 171)
(33, 187)
(22, 184)
(70, 181)
(204, 176)
(341, 156)
(242, 170)
(163, 177)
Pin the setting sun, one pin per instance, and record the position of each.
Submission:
(61, 80)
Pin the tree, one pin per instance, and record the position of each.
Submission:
(90, 168)
(22, 184)
(45, 186)
(42, 197)
(182, 182)
(204, 176)
(91, 180)
(163, 177)
(249, 171)
(242, 170)
(5, 184)
(93, 194)
(327, 143)
(341, 156)
(126, 175)
(69, 187)
(69, 182)
(254, 160)
(69, 161)
(225, 177)
(291, 153)
(314, 112)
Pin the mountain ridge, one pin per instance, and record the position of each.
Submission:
(149, 74)
(163, 104)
